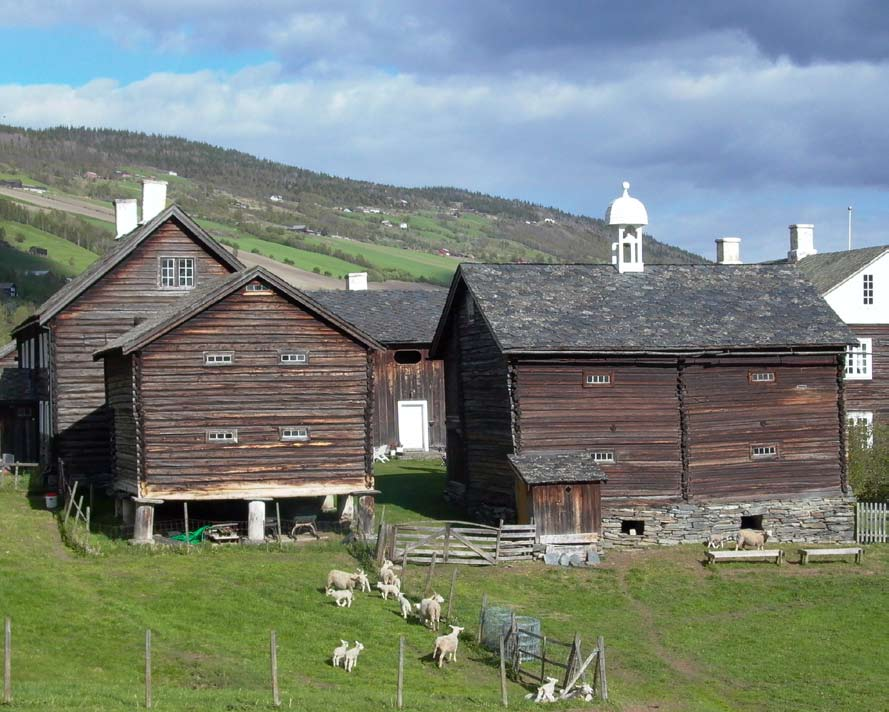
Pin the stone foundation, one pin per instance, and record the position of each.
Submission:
(809, 520)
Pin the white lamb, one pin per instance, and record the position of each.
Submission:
(363, 581)
(341, 580)
(340, 652)
(433, 614)
(351, 656)
(446, 645)
(387, 590)
(406, 606)
(343, 598)
(752, 539)
(546, 691)
(389, 573)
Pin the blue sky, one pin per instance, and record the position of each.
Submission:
(729, 119)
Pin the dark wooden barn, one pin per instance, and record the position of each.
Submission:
(680, 398)
(20, 394)
(409, 402)
(152, 267)
(246, 390)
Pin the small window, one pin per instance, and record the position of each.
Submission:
(633, 527)
(858, 360)
(222, 437)
(603, 456)
(258, 287)
(408, 358)
(219, 358)
(868, 287)
(762, 376)
(293, 358)
(176, 272)
(168, 272)
(294, 433)
(592, 379)
(861, 424)
(186, 272)
(763, 452)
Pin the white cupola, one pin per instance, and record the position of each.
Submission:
(629, 215)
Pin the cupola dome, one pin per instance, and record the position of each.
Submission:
(626, 210)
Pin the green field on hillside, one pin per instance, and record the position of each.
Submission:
(66, 257)
(738, 637)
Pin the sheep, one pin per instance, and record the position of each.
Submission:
(343, 598)
(341, 580)
(545, 692)
(363, 581)
(446, 645)
(752, 538)
(585, 692)
(340, 652)
(406, 606)
(351, 656)
(431, 612)
(386, 590)
(717, 541)
(389, 573)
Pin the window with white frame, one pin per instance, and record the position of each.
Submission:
(762, 376)
(176, 272)
(867, 282)
(603, 456)
(294, 358)
(591, 378)
(219, 358)
(763, 452)
(258, 287)
(859, 359)
(222, 437)
(862, 422)
(294, 433)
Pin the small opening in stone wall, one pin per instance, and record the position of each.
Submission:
(633, 527)
(751, 521)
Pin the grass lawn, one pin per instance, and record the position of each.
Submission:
(69, 258)
(679, 636)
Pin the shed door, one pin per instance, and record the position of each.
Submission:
(567, 508)
(413, 425)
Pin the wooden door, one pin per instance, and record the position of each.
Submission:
(567, 508)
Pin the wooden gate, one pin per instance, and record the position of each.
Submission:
(457, 542)
(872, 522)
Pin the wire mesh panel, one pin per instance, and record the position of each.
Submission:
(498, 620)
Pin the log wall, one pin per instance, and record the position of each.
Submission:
(872, 395)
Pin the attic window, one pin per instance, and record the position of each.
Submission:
(294, 433)
(591, 379)
(258, 287)
(176, 272)
(603, 456)
(761, 376)
(763, 452)
(294, 358)
(219, 358)
(408, 358)
(868, 288)
(222, 437)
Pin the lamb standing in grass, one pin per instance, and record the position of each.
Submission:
(389, 573)
(341, 580)
(430, 609)
(351, 656)
(340, 652)
(363, 581)
(343, 598)
(446, 645)
(406, 606)
(386, 590)
(752, 539)
(546, 692)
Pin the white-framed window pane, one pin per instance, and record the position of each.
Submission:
(762, 377)
(603, 456)
(859, 360)
(292, 358)
(186, 271)
(219, 358)
(168, 272)
(222, 437)
(294, 433)
(257, 287)
(868, 288)
(763, 452)
(863, 422)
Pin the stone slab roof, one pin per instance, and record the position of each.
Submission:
(555, 467)
(828, 269)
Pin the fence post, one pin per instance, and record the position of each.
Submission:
(185, 516)
(7, 661)
(543, 661)
(481, 618)
(497, 547)
(148, 668)
(516, 647)
(399, 697)
(451, 594)
(603, 681)
(447, 542)
(278, 520)
(70, 503)
(503, 697)
(88, 516)
(273, 645)
(429, 575)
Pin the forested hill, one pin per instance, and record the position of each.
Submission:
(273, 201)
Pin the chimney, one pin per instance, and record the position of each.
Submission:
(728, 251)
(357, 282)
(126, 216)
(802, 242)
(154, 198)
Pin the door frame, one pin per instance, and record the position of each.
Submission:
(425, 413)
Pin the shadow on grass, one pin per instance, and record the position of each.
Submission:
(413, 489)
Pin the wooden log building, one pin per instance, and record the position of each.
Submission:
(246, 390)
(19, 396)
(409, 402)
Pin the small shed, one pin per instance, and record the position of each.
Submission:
(559, 490)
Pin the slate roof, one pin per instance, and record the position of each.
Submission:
(17, 385)
(123, 247)
(392, 316)
(212, 292)
(828, 269)
(666, 308)
(543, 468)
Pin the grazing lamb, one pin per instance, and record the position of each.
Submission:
(717, 541)
(343, 598)
(386, 590)
(340, 652)
(446, 645)
(362, 581)
(351, 656)
(406, 606)
(752, 539)
(546, 692)
(341, 580)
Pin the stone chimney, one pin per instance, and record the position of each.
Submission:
(154, 199)
(356, 282)
(728, 251)
(802, 242)
(126, 216)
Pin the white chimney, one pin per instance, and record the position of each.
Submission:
(357, 282)
(154, 198)
(802, 242)
(728, 251)
(126, 216)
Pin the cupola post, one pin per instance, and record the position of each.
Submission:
(628, 215)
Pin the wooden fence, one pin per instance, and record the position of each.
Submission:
(456, 543)
(872, 522)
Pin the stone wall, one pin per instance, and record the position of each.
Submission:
(811, 520)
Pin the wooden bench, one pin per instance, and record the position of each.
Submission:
(806, 554)
(776, 555)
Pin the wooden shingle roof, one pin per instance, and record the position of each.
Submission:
(828, 269)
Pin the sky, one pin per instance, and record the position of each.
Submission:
(728, 118)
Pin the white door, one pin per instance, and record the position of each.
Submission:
(412, 425)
